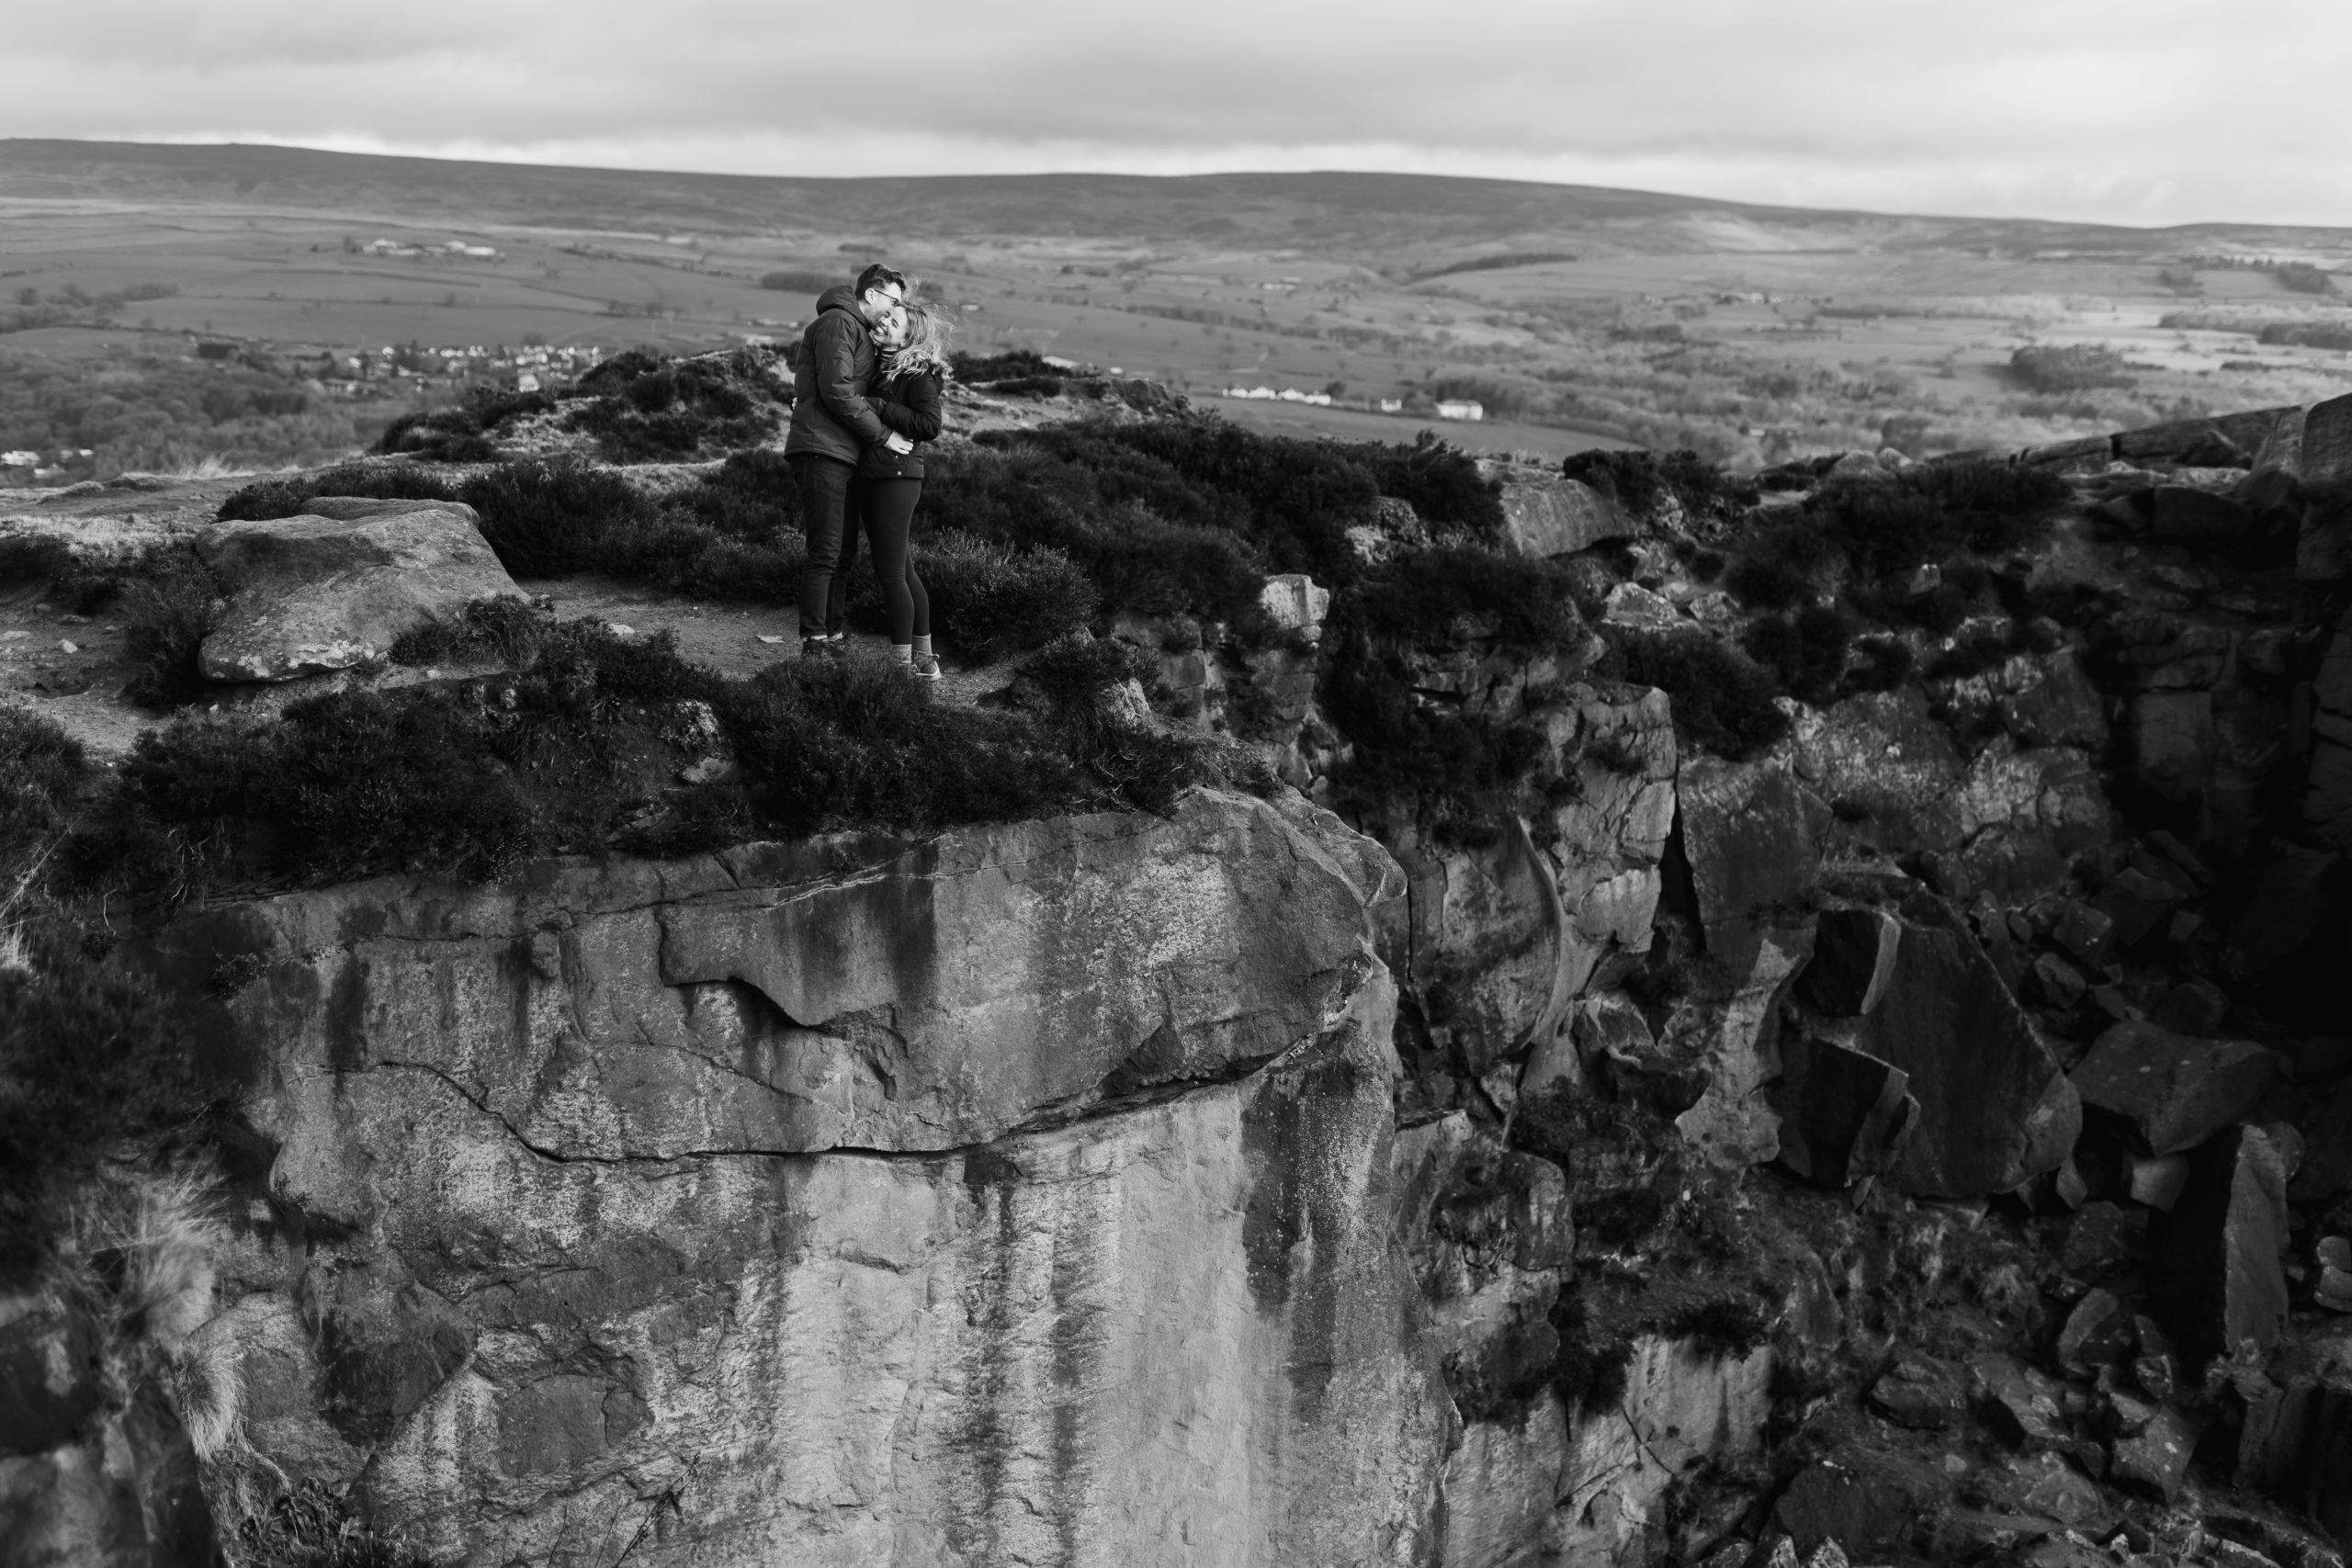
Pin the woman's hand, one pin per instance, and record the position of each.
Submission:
(894, 441)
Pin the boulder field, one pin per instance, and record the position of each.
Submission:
(1925, 1135)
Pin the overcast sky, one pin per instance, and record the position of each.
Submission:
(2138, 111)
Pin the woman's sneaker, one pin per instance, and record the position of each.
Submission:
(924, 666)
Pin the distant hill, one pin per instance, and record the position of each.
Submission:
(1337, 213)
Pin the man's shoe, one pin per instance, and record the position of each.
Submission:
(823, 647)
(925, 667)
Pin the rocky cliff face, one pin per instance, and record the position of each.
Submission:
(1019, 1195)
(1922, 1136)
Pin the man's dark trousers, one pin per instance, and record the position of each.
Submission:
(830, 534)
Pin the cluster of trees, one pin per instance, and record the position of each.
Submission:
(72, 305)
(141, 412)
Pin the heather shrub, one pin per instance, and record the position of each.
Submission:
(42, 769)
(1806, 651)
(91, 1061)
(1936, 512)
(1442, 481)
(1722, 1325)
(1423, 596)
(988, 601)
(854, 742)
(460, 433)
(1639, 480)
(553, 518)
(1887, 663)
(1722, 700)
(1458, 770)
(1302, 496)
(1143, 538)
(508, 630)
(380, 481)
(1781, 569)
(643, 407)
(168, 610)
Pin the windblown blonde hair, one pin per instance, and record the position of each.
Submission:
(926, 345)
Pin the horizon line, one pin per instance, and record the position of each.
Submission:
(519, 162)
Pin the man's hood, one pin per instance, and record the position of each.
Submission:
(841, 297)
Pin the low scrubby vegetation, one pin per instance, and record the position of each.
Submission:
(90, 1060)
(645, 407)
(1454, 768)
(1639, 481)
(732, 536)
(462, 433)
(577, 750)
(1722, 700)
(2069, 368)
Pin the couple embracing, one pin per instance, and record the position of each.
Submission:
(868, 395)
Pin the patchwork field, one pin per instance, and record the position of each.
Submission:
(1582, 316)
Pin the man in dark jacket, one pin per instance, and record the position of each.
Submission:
(832, 425)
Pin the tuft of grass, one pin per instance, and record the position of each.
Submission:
(309, 1525)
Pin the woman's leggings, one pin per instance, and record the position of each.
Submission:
(888, 508)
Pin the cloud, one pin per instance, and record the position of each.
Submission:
(2141, 110)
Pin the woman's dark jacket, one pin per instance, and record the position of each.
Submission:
(911, 406)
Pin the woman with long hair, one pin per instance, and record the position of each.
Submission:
(907, 395)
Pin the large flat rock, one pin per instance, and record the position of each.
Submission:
(313, 594)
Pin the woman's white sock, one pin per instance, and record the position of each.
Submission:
(905, 650)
